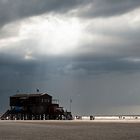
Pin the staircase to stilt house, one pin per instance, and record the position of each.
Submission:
(5, 115)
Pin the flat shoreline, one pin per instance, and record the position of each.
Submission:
(72, 121)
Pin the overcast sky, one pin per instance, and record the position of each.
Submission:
(87, 50)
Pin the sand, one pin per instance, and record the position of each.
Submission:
(69, 130)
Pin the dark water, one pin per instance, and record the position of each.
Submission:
(69, 131)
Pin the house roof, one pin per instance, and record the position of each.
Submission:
(30, 95)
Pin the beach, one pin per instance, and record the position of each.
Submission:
(69, 130)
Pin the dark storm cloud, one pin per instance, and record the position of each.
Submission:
(16, 68)
(11, 10)
(100, 65)
(106, 8)
(15, 65)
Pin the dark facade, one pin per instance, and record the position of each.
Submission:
(34, 107)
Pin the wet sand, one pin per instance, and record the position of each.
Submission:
(69, 130)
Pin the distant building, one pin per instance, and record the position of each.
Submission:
(38, 106)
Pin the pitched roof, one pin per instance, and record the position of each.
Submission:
(31, 95)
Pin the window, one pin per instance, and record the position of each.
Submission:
(45, 100)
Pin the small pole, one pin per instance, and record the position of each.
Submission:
(70, 104)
